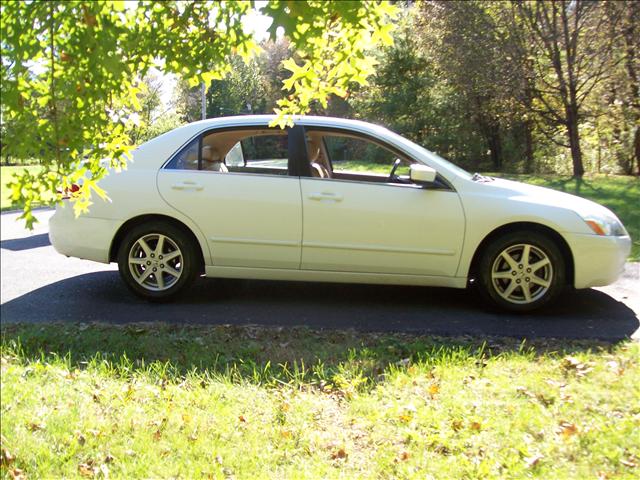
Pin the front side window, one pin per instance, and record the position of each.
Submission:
(350, 154)
(348, 157)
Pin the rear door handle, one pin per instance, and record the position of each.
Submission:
(320, 196)
(187, 185)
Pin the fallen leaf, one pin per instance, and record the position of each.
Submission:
(17, 474)
(524, 392)
(565, 397)
(86, 470)
(5, 457)
(33, 426)
(567, 429)
(340, 453)
(533, 461)
(404, 456)
(615, 367)
(475, 426)
(570, 362)
(546, 401)
(242, 419)
(573, 364)
(630, 462)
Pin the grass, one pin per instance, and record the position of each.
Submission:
(8, 174)
(170, 401)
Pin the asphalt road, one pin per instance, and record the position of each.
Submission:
(39, 285)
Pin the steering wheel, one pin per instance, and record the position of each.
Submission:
(392, 174)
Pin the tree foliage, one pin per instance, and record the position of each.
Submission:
(521, 86)
(71, 71)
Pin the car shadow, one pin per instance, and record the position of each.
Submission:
(101, 297)
(26, 243)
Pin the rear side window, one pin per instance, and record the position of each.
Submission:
(187, 158)
(257, 151)
(268, 151)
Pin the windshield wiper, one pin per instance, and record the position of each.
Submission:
(481, 178)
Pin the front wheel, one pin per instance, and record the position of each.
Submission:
(157, 260)
(521, 271)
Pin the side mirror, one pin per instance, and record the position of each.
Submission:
(421, 174)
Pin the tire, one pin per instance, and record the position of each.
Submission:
(508, 280)
(153, 274)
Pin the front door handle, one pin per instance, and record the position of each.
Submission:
(320, 196)
(187, 185)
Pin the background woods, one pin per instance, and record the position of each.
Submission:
(530, 87)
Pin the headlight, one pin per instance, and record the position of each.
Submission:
(605, 225)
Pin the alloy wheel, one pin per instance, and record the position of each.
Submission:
(522, 273)
(156, 262)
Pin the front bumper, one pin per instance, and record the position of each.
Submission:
(83, 237)
(598, 260)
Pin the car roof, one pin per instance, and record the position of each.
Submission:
(309, 120)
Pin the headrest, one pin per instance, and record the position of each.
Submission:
(314, 149)
(210, 154)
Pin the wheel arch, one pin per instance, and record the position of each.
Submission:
(526, 226)
(142, 219)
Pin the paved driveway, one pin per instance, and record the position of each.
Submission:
(39, 285)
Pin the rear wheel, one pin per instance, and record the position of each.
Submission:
(521, 271)
(157, 260)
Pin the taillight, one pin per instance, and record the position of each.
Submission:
(67, 193)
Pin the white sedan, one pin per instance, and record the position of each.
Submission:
(335, 200)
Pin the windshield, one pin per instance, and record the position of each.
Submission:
(437, 159)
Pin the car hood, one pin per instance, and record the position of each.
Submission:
(546, 196)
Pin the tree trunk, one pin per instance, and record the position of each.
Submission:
(574, 144)
(528, 147)
(636, 147)
(495, 145)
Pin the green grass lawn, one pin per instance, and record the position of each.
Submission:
(160, 401)
(7, 174)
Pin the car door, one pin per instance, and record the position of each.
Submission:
(358, 222)
(250, 212)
